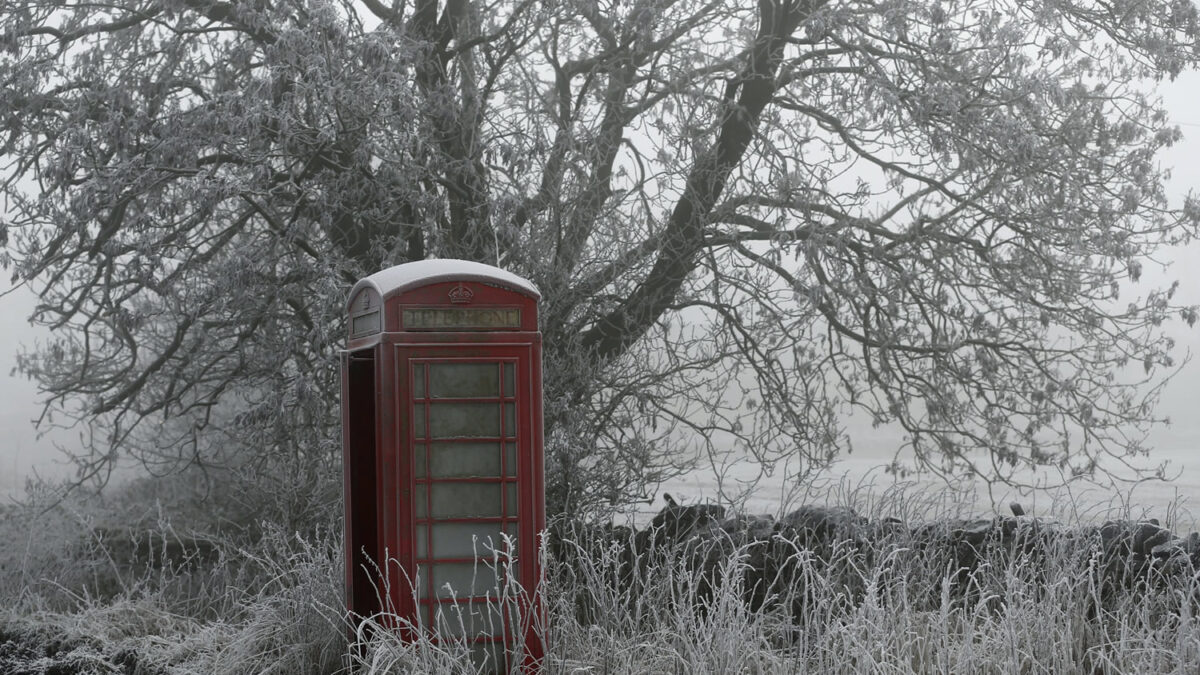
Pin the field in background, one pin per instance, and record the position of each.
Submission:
(1177, 500)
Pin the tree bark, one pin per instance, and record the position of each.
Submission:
(456, 125)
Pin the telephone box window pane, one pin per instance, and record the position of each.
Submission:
(423, 584)
(419, 382)
(461, 581)
(510, 460)
(466, 500)
(471, 620)
(510, 387)
(451, 420)
(511, 489)
(510, 420)
(420, 503)
(419, 421)
(464, 580)
(421, 468)
(465, 460)
(464, 380)
(464, 540)
(365, 324)
(489, 657)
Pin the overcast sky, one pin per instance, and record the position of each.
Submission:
(21, 451)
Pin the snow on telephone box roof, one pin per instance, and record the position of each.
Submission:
(400, 278)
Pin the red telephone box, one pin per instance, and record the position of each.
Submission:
(442, 441)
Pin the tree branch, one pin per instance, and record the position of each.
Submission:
(613, 333)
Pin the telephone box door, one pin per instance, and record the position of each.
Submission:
(473, 482)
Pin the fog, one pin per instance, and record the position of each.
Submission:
(22, 452)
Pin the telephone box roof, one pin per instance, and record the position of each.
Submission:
(411, 275)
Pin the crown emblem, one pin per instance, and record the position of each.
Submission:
(461, 295)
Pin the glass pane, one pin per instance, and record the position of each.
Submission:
(463, 540)
(423, 583)
(367, 323)
(464, 580)
(489, 657)
(422, 538)
(510, 420)
(420, 468)
(420, 501)
(465, 460)
(472, 620)
(511, 506)
(419, 382)
(466, 500)
(450, 420)
(510, 459)
(510, 385)
(419, 421)
(455, 380)
(454, 581)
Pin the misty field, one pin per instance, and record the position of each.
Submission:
(898, 583)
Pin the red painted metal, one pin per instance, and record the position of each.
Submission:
(401, 351)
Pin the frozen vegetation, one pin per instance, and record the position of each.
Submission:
(749, 221)
(870, 582)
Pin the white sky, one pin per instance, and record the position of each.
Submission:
(22, 452)
(1182, 101)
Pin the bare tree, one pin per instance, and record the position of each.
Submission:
(747, 221)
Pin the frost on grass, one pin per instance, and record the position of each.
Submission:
(823, 589)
